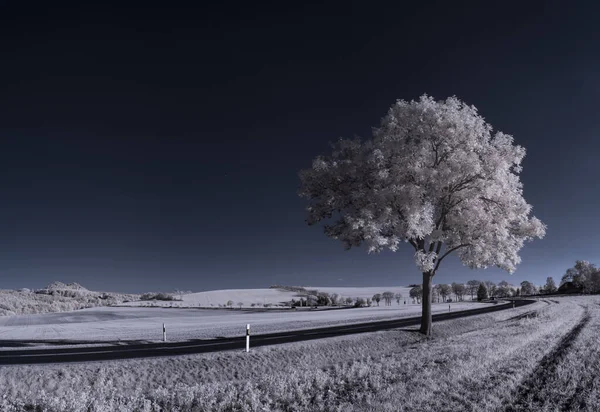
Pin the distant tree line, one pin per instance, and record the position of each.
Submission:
(289, 288)
(584, 277)
(157, 296)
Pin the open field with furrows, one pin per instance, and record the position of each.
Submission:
(543, 357)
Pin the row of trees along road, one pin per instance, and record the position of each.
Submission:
(481, 290)
(434, 176)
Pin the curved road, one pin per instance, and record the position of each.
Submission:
(100, 353)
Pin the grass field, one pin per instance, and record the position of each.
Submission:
(543, 357)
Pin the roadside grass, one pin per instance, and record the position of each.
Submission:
(472, 364)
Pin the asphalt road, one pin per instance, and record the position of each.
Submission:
(100, 353)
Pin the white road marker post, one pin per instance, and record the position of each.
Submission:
(248, 338)
(448, 308)
(164, 333)
(513, 304)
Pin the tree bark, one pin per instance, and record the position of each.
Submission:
(426, 304)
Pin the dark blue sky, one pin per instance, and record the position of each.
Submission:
(152, 148)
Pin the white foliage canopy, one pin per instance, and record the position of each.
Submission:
(433, 175)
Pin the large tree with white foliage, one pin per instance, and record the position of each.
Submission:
(434, 176)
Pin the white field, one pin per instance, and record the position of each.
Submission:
(482, 363)
(145, 324)
(260, 297)
(366, 292)
(214, 298)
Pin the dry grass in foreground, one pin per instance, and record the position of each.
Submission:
(543, 361)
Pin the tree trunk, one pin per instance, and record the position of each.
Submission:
(426, 304)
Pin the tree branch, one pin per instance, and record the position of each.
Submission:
(495, 202)
(447, 253)
(442, 216)
(412, 242)
(438, 248)
(431, 246)
(463, 184)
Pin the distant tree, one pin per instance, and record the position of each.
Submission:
(398, 297)
(527, 288)
(445, 291)
(435, 294)
(435, 176)
(481, 292)
(594, 282)
(229, 303)
(491, 288)
(377, 298)
(349, 301)
(518, 292)
(323, 299)
(240, 304)
(584, 275)
(550, 286)
(503, 290)
(459, 290)
(472, 286)
(369, 302)
(416, 293)
(387, 297)
(335, 299)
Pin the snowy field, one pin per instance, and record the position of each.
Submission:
(145, 324)
(366, 292)
(501, 361)
(214, 298)
(265, 296)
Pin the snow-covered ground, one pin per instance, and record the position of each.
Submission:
(366, 292)
(260, 297)
(123, 323)
(476, 363)
(214, 298)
